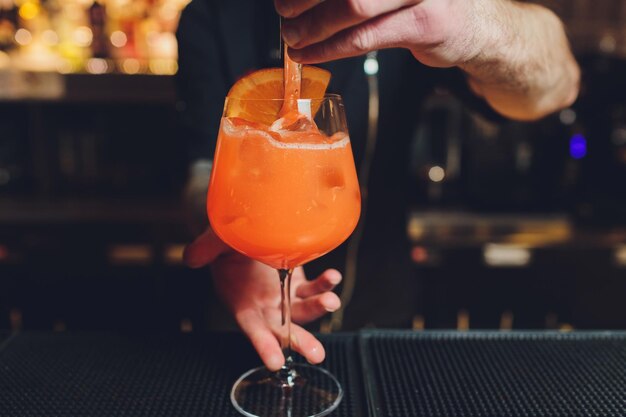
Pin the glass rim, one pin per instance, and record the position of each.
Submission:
(328, 96)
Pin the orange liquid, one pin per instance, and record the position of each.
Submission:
(281, 203)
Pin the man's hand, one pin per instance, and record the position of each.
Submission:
(438, 32)
(516, 54)
(251, 290)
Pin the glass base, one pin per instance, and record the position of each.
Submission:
(259, 393)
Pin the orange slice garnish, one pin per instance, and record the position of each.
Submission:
(267, 84)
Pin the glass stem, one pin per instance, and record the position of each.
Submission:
(286, 374)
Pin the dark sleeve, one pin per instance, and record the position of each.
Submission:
(201, 79)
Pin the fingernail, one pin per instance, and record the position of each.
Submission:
(332, 306)
(314, 356)
(274, 362)
(331, 309)
(291, 35)
(335, 279)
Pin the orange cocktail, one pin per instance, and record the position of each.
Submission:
(284, 191)
(282, 198)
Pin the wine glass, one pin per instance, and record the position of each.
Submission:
(284, 195)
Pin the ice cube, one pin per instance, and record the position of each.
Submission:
(236, 126)
(255, 154)
(294, 122)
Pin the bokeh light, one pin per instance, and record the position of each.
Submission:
(50, 37)
(83, 36)
(23, 37)
(437, 174)
(131, 66)
(97, 66)
(119, 39)
(29, 10)
(578, 146)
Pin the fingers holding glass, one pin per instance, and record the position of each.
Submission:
(307, 345)
(264, 334)
(264, 340)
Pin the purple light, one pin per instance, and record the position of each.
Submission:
(578, 146)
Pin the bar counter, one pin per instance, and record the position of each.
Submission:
(384, 373)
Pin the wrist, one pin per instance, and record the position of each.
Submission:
(511, 35)
(524, 69)
(494, 42)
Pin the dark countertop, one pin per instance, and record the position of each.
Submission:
(384, 373)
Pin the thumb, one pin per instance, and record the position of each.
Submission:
(204, 250)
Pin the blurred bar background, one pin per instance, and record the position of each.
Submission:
(514, 225)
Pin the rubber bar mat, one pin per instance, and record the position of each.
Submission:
(494, 374)
(65, 374)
